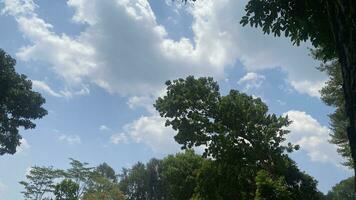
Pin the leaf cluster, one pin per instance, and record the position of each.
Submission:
(19, 105)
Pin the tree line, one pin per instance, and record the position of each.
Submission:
(245, 155)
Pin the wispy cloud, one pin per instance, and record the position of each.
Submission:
(70, 139)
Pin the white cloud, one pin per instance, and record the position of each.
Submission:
(124, 50)
(70, 139)
(312, 137)
(142, 101)
(104, 128)
(24, 145)
(308, 87)
(252, 80)
(217, 21)
(151, 131)
(42, 86)
(67, 93)
(119, 138)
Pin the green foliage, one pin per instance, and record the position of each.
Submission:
(331, 28)
(40, 182)
(235, 127)
(78, 182)
(66, 190)
(270, 188)
(170, 178)
(342, 190)
(19, 105)
(81, 174)
(102, 188)
(106, 171)
(134, 182)
(179, 174)
(332, 95)
(237, 132)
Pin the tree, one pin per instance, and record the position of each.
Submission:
(106, 171)
(179, 174)
(236, 131)
(134, 182)
(19, 105)
(232, 127)
(269, 188)
(102, 188)
(342, 190)
(66, 190)
(173, 177)
(40, 182)
(81, 174)
(332, 95)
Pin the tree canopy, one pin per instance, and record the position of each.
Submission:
(239, 134)
(78, 182)
(342, 190)
(19, 105)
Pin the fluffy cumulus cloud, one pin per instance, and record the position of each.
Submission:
(308, 87)
(124, 50)
(312, 137)
(151, 131)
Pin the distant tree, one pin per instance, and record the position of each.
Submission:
(173, 177)
(81, 174)
(66, 190)
(179, 173)
(156, 185)
(133, 182)
(102, 188)
(19, 105)
(106, 171)
(40, 183)
(342, 190)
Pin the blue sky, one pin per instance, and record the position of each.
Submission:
(100, 64)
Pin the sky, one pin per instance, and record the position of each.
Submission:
(101, 64)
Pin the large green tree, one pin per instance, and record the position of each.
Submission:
(19, 105)
(235, 130)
